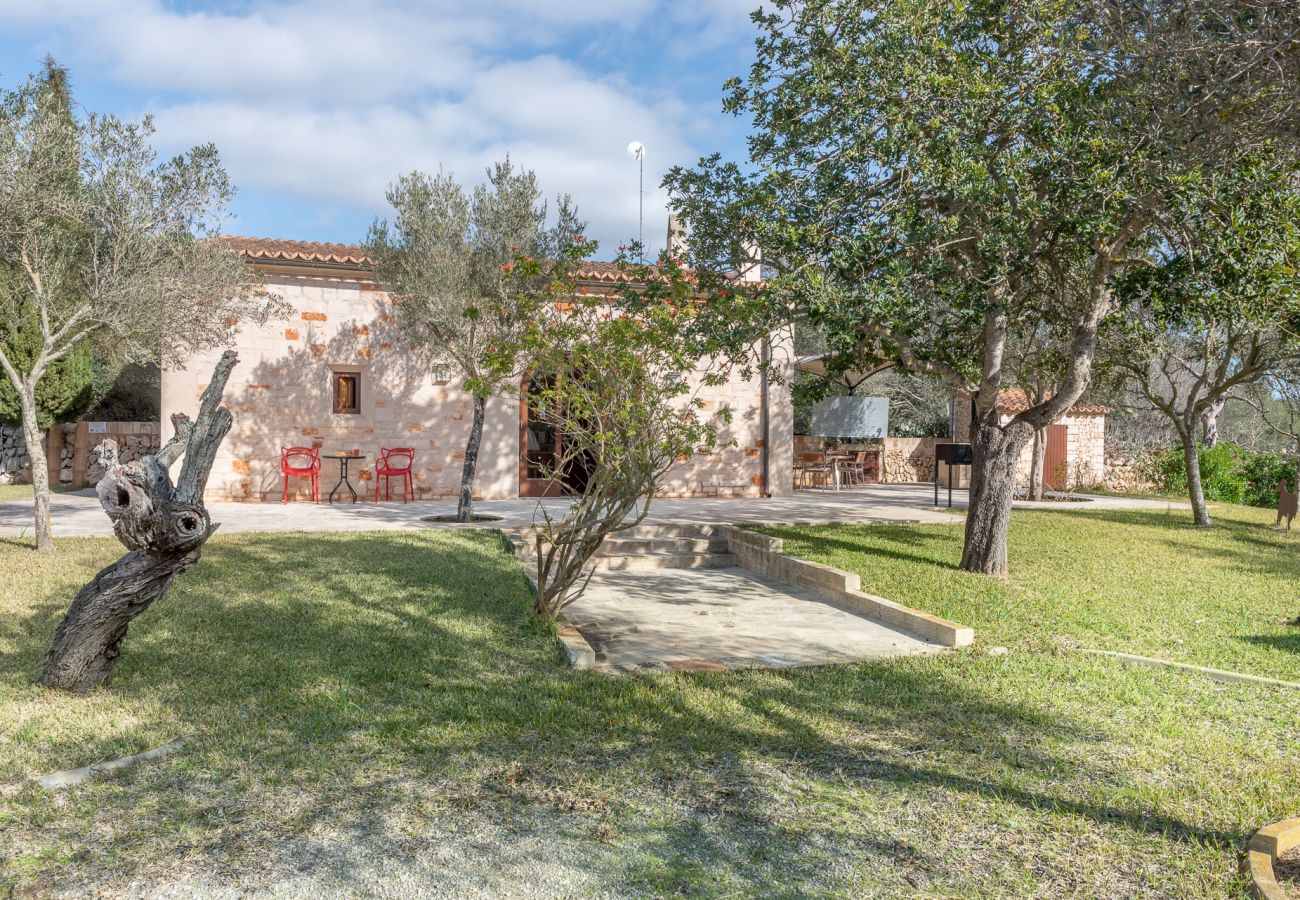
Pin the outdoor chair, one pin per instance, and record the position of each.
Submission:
(854, 469)
(303, 462)
(816, 468)
(395, 462)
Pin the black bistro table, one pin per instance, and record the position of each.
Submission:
(344, 459)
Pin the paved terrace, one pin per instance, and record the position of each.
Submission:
(695, 620)
(78, 514)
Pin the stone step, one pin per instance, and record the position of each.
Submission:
(652, 559)
(672, 530)
(665, 560)
(627, 546)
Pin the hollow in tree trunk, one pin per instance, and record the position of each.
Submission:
(39, 464)
(992, 488)
(1192, 466)
(1039, 459)
(163, 526)
(465, 505)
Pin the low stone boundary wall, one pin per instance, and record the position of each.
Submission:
(1127, 474)
(766, 556)
(69, 450)
(903, 460)
(14, 460)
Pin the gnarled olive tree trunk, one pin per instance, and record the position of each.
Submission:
(996, 452)
(1192, 469)
(163, 526)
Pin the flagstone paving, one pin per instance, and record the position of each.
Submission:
(78, 514)
(711, 619)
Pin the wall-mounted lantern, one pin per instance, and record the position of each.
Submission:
(441, 374)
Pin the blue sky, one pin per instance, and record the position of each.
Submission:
(316, 105)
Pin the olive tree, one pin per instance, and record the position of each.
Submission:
(920, 175)
(1276, 400)
(449, 254)
(623, 378)
(1215, 311)
(101, 242)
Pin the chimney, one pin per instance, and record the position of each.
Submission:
(676, 237)
(751, 263)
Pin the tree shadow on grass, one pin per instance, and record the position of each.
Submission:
(1289, 643)
(929, 541)
(1254, 547)
(333, 674)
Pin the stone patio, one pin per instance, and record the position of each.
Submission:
(79, 515)
(723, 618)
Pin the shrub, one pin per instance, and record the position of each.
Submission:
(1230, 473)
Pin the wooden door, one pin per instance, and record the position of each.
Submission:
(1056, 462)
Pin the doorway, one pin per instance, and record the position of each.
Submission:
(1056, 462)
(541, 446)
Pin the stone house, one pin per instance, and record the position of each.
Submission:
(1076, 445)
(337, 375)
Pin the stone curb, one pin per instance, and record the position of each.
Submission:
(576, 649)
(1265, 846)
(766, 556)
(72, 777)
(1222, 675)
(575, 646)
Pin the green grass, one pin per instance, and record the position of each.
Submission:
(1144, 582)
(386, 682)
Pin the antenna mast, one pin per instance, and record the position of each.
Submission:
(636, 151)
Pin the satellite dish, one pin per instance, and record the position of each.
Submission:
(636, 150)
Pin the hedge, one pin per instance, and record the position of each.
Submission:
(1230, 473)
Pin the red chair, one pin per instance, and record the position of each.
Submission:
(311, 470)
(395, 462)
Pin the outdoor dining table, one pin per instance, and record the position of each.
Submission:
(344, 459)
(835, 459)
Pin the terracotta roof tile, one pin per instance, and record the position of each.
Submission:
(1014, 400)
(274, 250)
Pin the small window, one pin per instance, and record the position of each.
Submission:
(347, 392)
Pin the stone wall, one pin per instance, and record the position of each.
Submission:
(135, 441)
(15, 464)
(75, 446)
(1085, 450)
(909, 460)
(1127, 475)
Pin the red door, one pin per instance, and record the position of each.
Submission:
(1056, 463)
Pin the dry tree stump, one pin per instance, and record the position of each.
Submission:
(164, 526)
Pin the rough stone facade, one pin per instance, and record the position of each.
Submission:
(1127, 475)
(15, 464)
(135, 440)
(141, 440)
(909, 460)
(342, 322)
(1085, 449)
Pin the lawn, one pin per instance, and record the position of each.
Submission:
(350, 691)
(1144, 582)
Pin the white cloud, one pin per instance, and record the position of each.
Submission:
(326, 101)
